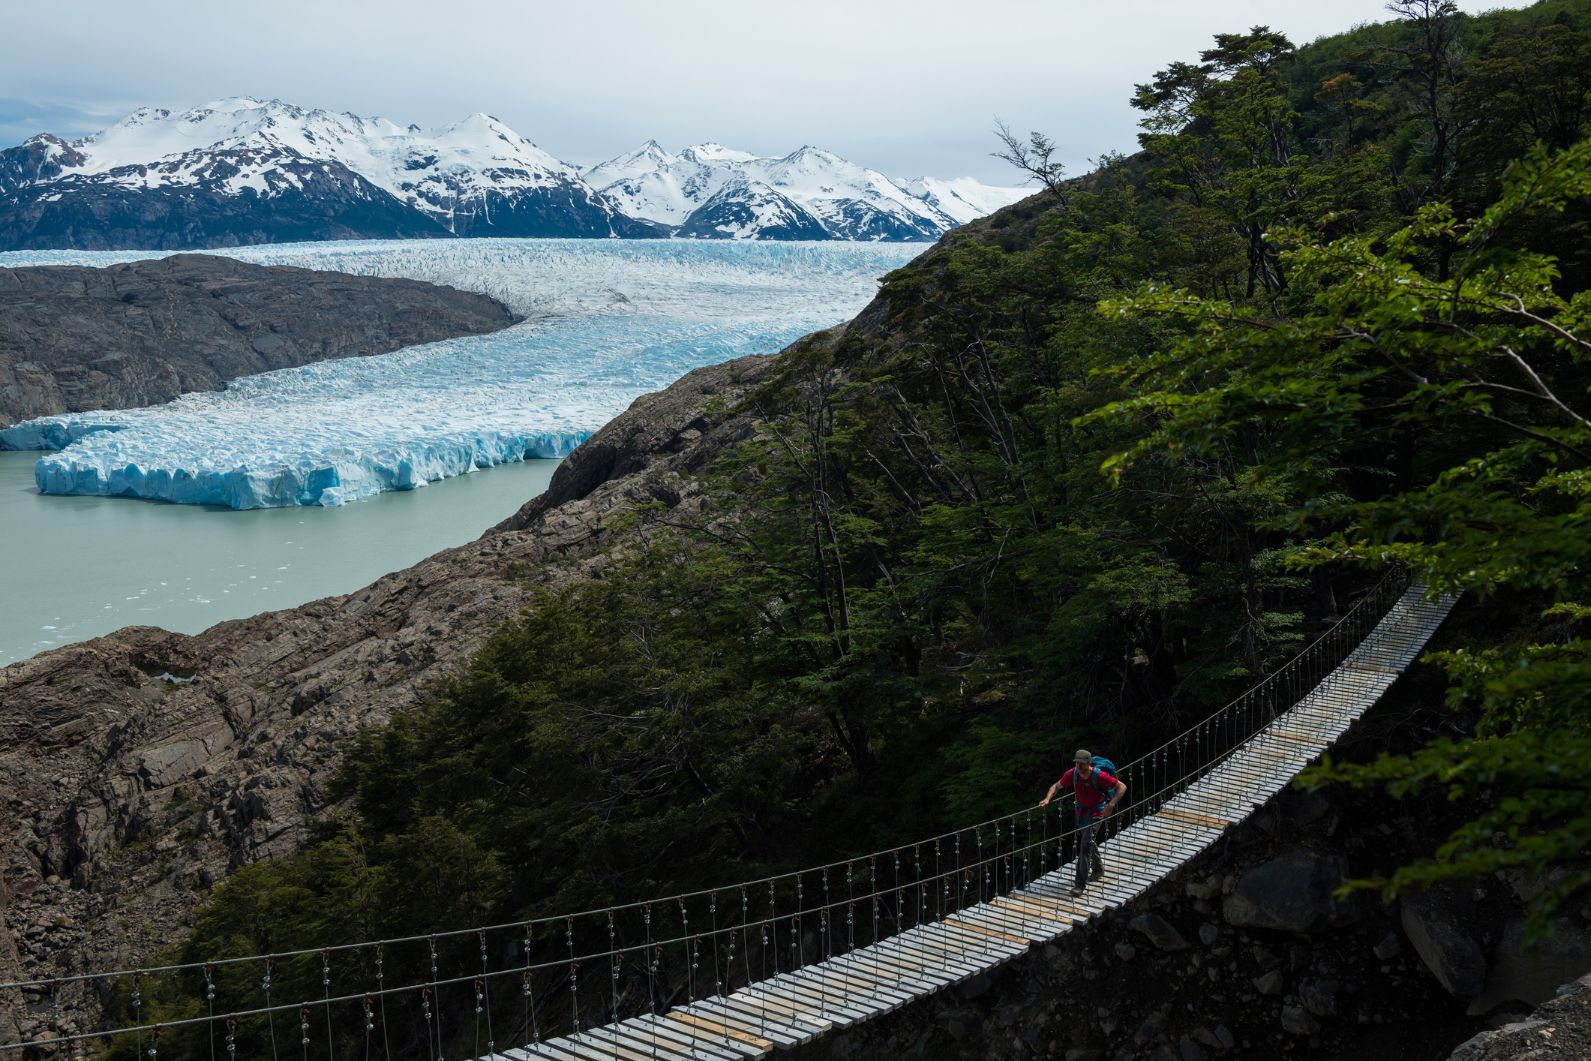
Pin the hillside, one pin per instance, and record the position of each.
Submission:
(1082, 471)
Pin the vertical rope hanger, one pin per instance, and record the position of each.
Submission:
(531, 1031)
(325, 982)
(574, 973)
(491, 1035)
(381, 1000)
(435, 987)
(270, 1015)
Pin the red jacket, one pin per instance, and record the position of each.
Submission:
(1094, 792)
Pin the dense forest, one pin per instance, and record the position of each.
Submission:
(1080, 474)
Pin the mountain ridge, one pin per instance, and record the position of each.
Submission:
(243, 170)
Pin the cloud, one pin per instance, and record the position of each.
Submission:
(907, 86)
(22, 118)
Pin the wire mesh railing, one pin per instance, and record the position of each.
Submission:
(480, 990)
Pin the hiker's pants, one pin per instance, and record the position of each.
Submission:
(1087, 848)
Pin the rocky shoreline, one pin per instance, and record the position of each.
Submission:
(74, 338)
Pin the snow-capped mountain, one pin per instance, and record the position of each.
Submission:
(962, 198)
(243, 170)
(711, 191)
(249, 171)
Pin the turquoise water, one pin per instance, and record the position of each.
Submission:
(77, 567)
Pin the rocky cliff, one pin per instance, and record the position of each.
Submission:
(74, 338)
(138, 768)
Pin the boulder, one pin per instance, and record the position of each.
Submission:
(1297, 1021)
(1319, 997)
(1159, 931)
(959, 1024)
(1530, 971)
(1433, 921)
(1292, 893)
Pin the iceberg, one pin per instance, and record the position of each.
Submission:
(607, 321)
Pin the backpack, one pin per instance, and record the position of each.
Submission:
(1102, 763)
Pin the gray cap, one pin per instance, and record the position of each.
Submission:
(1082, 756)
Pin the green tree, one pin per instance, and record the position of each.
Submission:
(1486, 369)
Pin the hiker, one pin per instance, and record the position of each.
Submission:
(1098, 792)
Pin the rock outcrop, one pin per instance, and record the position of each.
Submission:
(139, 768)
(1293, 893)
(74, 338)
(1435, 923)
(1558, 1030)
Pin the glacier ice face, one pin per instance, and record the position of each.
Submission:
(608, 321)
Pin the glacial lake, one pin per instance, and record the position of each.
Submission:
(72, 568)
(607, 321)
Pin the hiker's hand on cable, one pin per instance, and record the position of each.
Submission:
(1045, 802)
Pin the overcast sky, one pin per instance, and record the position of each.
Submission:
(906, 86)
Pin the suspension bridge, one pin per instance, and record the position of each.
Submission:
(760, 965)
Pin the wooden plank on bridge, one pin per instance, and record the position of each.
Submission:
(781, 1035)
(995, 933)
(692, 1045)
(719, 1030)
(576, 1048)
(615, 1048)
(1209, 821)
(622, 1037)
(765, 995)
(694, 1038)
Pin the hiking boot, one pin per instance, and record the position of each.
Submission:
(1077, 890)
(1099, 872)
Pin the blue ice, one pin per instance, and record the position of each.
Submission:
(607, 322)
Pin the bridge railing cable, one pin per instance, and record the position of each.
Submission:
(486, 988)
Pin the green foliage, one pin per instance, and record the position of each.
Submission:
(1475, 382)
(988, 522)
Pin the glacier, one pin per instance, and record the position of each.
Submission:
(607, 321)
